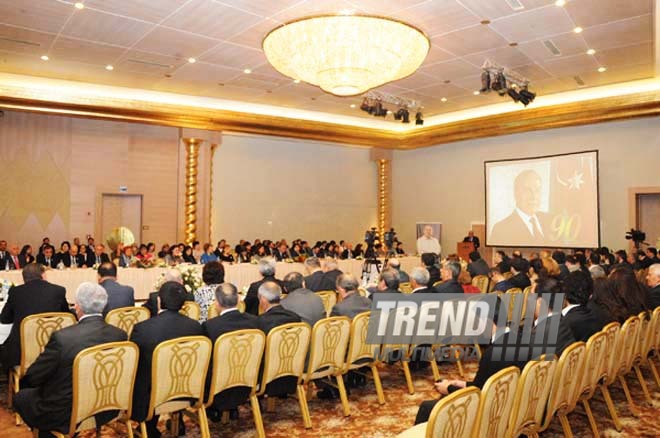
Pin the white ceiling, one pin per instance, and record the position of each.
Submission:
(149, 42)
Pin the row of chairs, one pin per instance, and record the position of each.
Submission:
(513, 403)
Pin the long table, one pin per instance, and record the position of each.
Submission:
(143, 280)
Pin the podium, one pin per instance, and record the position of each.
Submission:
(463, 249)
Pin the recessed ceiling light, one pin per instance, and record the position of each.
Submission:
(192, 60)
(44, 57)
(476, 93)
(297, 81)
(444, 99)
(578, 30)
(602, 69)
(485, 22)
(109, 67)
(560, 3)
(79, 5)
(513, 44)
(591, 52)
(352, 105)
(247, 71)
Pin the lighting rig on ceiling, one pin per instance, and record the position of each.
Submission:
(505, 82)
(374, 103)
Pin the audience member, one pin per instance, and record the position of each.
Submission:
(502, 261)
(315, 274)
(213, 274)
(501, 284)
(477, 265)
(429, 261)
(519, 278)
(266, 268)
(653, 281)
(396, 265)
(419, 280)
(13, 260)
(64, 257)
(388, 281)
(46, 258)
(330, 274)
(351, 303)
(272, 313)
(170, 275)
(302, 301)
(465, 280)
(577, 288)
(26, 256)
(208, 255)
(118, 295)
(449, 274)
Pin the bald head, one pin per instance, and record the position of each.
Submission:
(527, 191)
(653, 276)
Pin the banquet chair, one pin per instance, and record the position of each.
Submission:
(406, 288)
(363, 292)
(608, 370)
(35, 332)
(507, 275)
(125, 318)
(496, 402)
(177, 381)
(360, 354)
(531, 398)
(396, 352)
(642, 349)
(241, 306)
(482, 282)
(327, 354)
(103, 380)
(565, 390)
(453, 416)
(212, 312)
(593, 373)
(654, 345)
(235, 372)
(284, 358)
(191, 309)
(329, 298)
(625, 356)
(437, 283)
(513, 295)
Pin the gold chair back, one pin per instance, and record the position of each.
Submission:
(645, 336)
(597, 347)
(191, 309)
(531, 397)
(285, 353)
(327, 351)
(125, 318)
(241, 306)
(329, 298)
(236, 359)
(628, 338)
(655, 323)
(212, 311)
(507, 275)
(482, 282)
(608, 368)
(406, 288)
(565, 389)
(359, 352)
(363, 292)
(513, 294)
(179, 371)
(455, 416)
(103, 380)
(496, 402)
(35, 334)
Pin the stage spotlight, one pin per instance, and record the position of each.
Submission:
(513, 94)
(527, 95)
(499, 84)
(405, 116)
(419, 118)
(365, 106)
(485, 81)
(399, 114)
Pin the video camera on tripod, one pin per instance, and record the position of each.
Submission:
(637, 236)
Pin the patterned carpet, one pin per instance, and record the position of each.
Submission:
(370, 420)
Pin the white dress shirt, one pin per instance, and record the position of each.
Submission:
(428, 244)
(527, 219)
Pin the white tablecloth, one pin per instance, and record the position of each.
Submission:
(143, 280)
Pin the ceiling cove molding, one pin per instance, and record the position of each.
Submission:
(23, 98)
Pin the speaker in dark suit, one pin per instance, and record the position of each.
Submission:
(472, 238)
(168, 324)
(35, 296)
(45, 400)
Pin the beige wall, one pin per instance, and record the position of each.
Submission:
(54, 170)
(282, 188)
(446, 183)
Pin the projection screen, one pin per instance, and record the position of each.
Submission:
(549, 201)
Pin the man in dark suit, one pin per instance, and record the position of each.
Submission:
(97, 256)
(472, 238)
(36, 295)
(302, 301)
(118, 294)
(477, 265)
(653, 281)
(13, 259)
(519, 268)
(501, 284)
(388, 282)
(77, 260)
(526, 225)
(429, 261)
(583, 322)
(352, 303)
(313, 280)
(168, 324)
(267, 271)
(396, 265)
(47, 258)
(282, 253)
(449, 274)
(272, 313)
(419, 280)
(348, 252)
(170, 275)
(45, 399)
(3, 254)
(330, 274)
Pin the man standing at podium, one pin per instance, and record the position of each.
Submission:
(473, 239)
(427, 243)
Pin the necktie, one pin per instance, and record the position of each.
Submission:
(535, 226)
(47, 262)
(16, 264)
(98, 260)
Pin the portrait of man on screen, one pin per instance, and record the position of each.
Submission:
(526, 224)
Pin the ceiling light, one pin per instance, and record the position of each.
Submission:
(602, 69)
(44, 57)
(247, 71)
(352, 105)
(346, 55)
(444, 99)
(297, 81)
(578, 30)
(560, 3)
(591, 52)
(476, 93)
(109, 67)
(192, 60)
(79, 5)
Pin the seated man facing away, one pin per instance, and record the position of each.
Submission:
(477, 265)
(582, 321)
(118, 294)
(267, 271)
(168, 324)
(449, 274)
(313, 280)
(36, 295)
(330, 274)
(45, 400)
(170, 275)
(352, 303)
(419, 280)
(272, 313)
(519, 268)
(396, 265)
(501, 283)
(388, 281)
(302, 301)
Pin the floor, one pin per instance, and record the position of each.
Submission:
(370, 420)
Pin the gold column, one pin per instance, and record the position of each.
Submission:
(384, 195)
(192, 161)
(214, 146)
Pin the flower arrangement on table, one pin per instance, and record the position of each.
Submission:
(192, 279)
(151, 263)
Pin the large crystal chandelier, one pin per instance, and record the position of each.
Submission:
(346, 54)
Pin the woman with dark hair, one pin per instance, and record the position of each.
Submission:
(25, 255)
(209, 255)
(604, 304)
(226, 254)
(213, 275)
(151, 248)
(358, 251)
(536, 270)
(632, 295)
(295, 251)
(64, 256)
(502, 261)
(188, 255)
